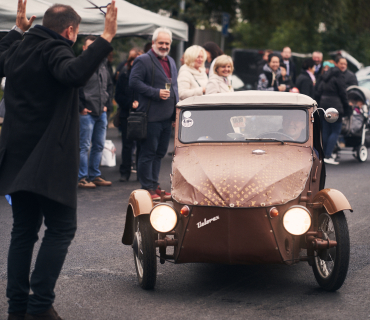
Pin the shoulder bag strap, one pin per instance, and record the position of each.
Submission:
(150, 100)
(195, 80)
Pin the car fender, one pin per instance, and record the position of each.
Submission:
(333, 200)
(139, 203)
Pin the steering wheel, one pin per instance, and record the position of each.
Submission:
(275, 135)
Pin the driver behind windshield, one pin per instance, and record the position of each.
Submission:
(294, 126)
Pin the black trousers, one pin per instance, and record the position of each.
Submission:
(29, 210)
(126, 154)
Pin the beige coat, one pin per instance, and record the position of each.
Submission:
(191, 82)
(216, 84)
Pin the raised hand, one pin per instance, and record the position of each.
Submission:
(110, 27)
(22, 22)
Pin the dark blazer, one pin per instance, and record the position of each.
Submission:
(305, 84)
(39, 142)
(350, 78)
(141, 82)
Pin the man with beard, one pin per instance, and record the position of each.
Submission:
(149, 75)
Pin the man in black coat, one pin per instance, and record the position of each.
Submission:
(286, 55)
(39, 147)
(317, 57)
(349, 77)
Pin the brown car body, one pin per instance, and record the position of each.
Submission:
(230, 191)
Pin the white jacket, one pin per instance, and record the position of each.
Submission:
(217, 84)
(190, 82)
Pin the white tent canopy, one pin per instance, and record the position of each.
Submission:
(132, 20)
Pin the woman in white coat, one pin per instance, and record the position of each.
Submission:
(192, 78)
(220, 80)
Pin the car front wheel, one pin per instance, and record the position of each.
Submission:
(144, 252)
(331, 265)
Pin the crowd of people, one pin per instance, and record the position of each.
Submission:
(61, 123)
(324, 81)
(141, 86)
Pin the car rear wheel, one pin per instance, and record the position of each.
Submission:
(331, 265)
(144, 252)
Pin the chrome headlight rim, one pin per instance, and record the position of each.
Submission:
(299, 207)
(161, 205)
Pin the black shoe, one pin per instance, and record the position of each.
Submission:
(50, 314)
(123, 178)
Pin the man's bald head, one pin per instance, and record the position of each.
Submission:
(59, 17)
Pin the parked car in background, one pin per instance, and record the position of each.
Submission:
(364, 82)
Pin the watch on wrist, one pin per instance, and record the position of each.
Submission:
(18, 30)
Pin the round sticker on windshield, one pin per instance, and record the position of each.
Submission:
(187, 122)
(187, 114)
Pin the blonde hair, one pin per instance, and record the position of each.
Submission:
(192, 53)
(221, 61)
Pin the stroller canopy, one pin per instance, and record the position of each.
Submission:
(359, 92)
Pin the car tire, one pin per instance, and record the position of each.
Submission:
(330, 272)
(145, 260)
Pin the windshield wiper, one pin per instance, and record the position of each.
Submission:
(265, 139)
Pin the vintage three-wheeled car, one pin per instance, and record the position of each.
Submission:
(247, 187)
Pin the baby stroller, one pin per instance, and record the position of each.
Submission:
(355, 128)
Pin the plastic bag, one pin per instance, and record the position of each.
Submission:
(108, 158)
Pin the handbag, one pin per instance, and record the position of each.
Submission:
(137, 122)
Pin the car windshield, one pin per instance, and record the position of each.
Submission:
(227, 125)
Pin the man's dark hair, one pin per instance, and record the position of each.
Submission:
(91, 38)
(308, 64)
(59, 17)
(213, 49)
(338, 57)
(271, 55)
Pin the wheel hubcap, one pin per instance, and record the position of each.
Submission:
(363, 154)
(139, 257)
(325, 260)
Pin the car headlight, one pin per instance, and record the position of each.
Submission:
(163, 218)
(297, 220)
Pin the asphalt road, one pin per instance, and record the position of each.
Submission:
(98, 281)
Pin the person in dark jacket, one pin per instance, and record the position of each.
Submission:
(317, 57)
(332, 94)
(306, 80)
(39, 148)
(349, 77)
(286, 55)
(285, 79)
(127, 101)
(94, 98)
(152, 93)
(270, 77)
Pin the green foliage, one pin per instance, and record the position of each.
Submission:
(278, 23)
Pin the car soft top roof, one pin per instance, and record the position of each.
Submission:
(250, 97)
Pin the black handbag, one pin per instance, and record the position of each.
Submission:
(137, 122)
